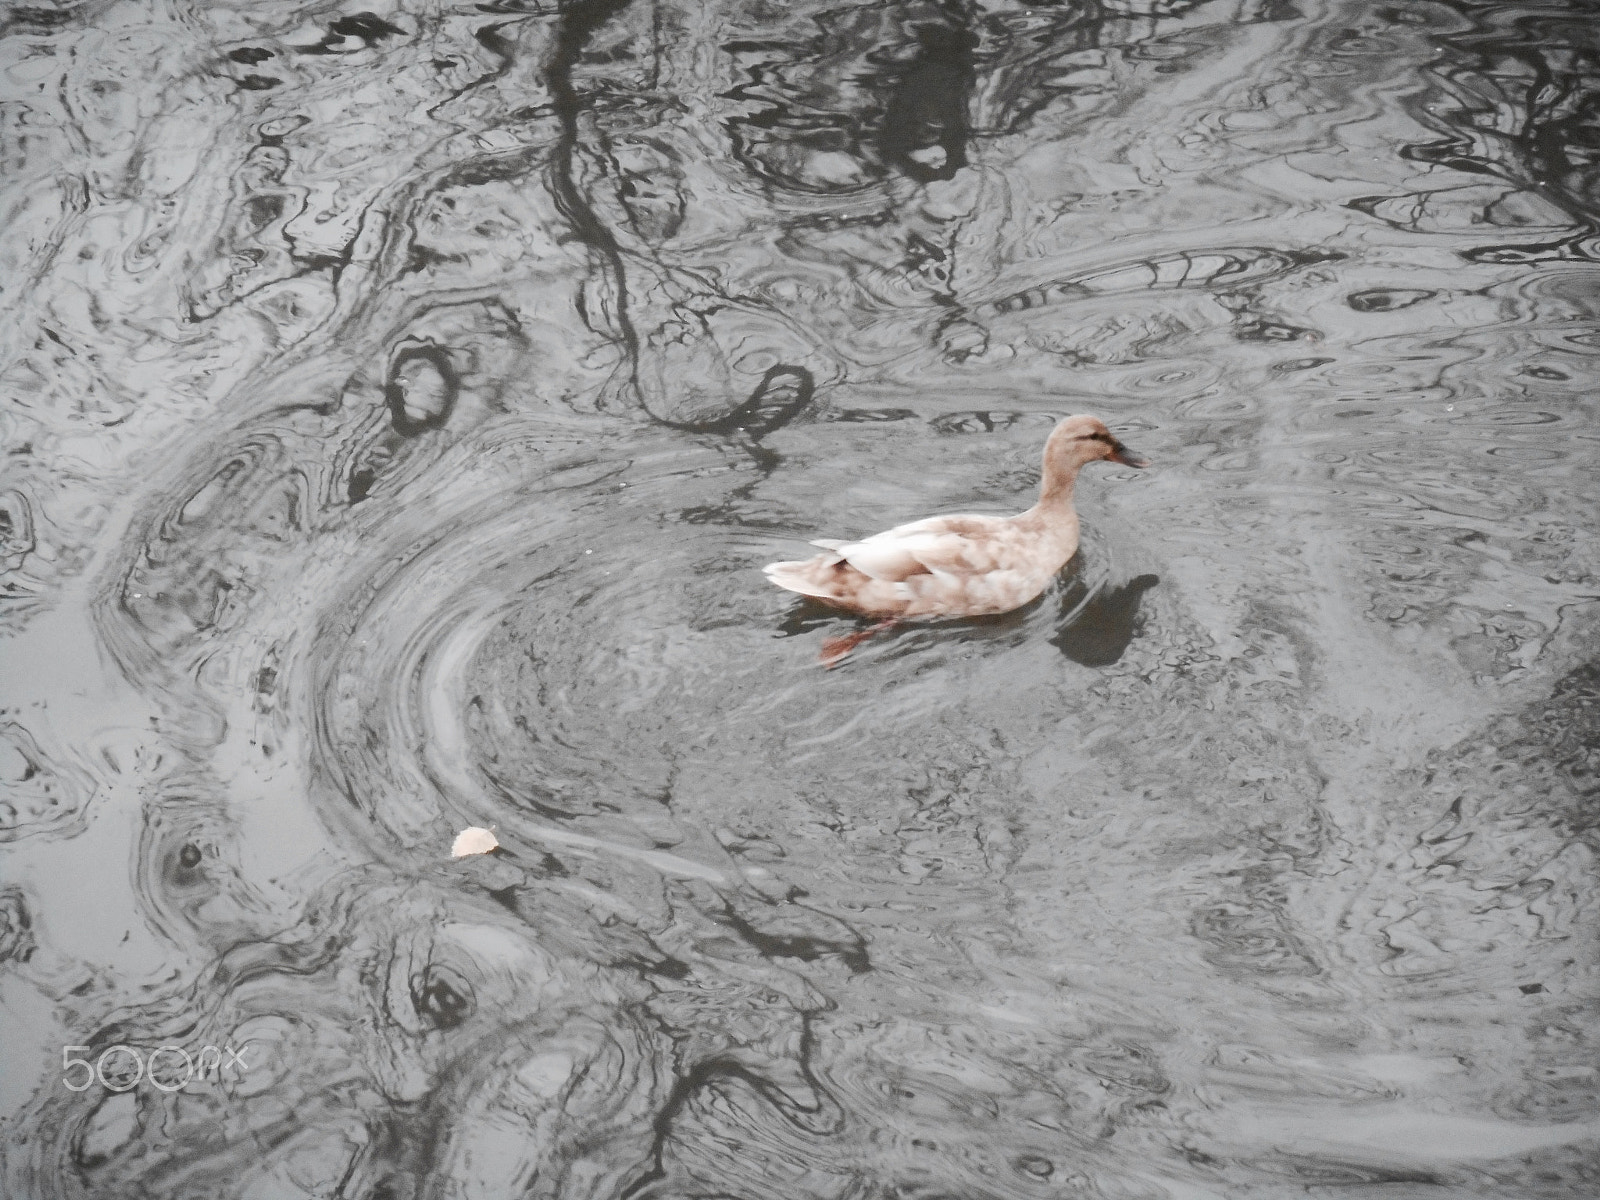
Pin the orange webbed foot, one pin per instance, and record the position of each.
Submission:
(836, 649)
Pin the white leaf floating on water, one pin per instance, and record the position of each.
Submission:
(473, 841)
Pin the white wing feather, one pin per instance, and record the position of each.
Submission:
(899, 553)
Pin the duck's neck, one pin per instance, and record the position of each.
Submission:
(1056, 484)
(1056, 487)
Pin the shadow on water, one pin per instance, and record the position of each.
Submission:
(1102, 622)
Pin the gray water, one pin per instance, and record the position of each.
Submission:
(399, 403)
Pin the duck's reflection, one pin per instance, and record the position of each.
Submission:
(1099, 627)
(1094, 623)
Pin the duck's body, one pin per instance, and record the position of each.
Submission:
(962, 565)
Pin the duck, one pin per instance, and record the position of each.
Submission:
(961, 564)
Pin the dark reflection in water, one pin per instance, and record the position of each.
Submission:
(1517, 100)
(1102, 623)
(924, 131)
(398, 403)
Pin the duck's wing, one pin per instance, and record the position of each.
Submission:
(954, 545)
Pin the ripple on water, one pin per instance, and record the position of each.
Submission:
(399, 407)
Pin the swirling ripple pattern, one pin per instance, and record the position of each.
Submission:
(398, 402)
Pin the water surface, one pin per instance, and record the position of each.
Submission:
(399, 403)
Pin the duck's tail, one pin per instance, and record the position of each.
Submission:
(817, 576)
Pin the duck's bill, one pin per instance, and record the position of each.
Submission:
(1129, 458)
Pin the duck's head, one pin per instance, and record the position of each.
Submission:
(1084, 439)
